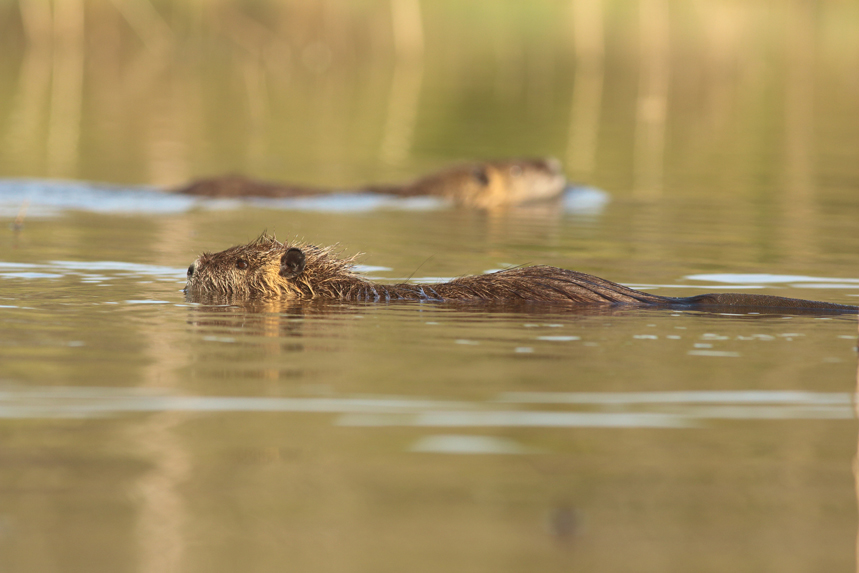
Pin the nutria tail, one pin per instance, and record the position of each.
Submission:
(750, 301)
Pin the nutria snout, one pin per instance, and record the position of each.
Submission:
(266, 268)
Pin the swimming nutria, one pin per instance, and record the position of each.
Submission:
(482, 185)
(267, 268)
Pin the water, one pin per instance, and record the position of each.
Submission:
(143, 432)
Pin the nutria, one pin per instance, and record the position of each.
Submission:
(482, 185)
(267, 268)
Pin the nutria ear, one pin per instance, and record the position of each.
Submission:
(291, 263)
(479, 173)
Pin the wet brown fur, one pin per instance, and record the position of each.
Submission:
(256, 271)
(482, 185)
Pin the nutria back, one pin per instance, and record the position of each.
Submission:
(266, 268)
(484, 185)
(234, 186)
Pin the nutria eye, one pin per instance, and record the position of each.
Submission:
(191, 271)
(480, 175)
(241, 264)
(292, 263)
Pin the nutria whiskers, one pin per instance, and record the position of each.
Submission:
(267, 268)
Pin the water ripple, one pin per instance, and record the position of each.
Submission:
(511, 409)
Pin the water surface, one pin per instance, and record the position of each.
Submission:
(142, 431)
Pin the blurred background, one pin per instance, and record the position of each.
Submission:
(638, 97)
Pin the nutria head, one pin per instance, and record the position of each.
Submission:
(496, 183)
(520, 181)
(267, 268)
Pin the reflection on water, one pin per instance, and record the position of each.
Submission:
(51, 198)
(44, 198)
(640, 410)
(651, 109)
(453, 444)
(749, 280)
(856, 458)
(740, 397)
(587, 97)
(89, 271)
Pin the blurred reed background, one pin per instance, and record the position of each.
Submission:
(641, 96)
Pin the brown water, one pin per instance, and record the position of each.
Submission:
(140, 432)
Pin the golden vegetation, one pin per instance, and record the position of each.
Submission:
(341, 92)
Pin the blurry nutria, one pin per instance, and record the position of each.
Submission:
(483, 185)
(267, 268)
